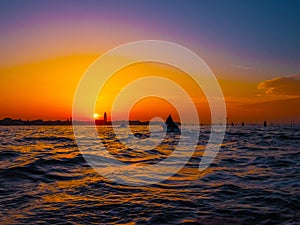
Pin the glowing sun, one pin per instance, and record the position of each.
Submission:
(96, 116)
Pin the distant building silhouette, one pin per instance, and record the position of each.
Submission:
(104, 121)
(105, 117)
(39, 122)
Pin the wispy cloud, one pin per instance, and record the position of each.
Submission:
(284, 86)
(241, 67)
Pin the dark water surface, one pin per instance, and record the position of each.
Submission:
(255, 179)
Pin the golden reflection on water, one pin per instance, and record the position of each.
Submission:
(44, 176)
(69, 192)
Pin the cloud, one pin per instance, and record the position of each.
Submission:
(241, 67)
(288, 86)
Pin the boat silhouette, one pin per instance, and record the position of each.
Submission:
(171, 126)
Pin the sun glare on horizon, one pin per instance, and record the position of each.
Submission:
(96, 116)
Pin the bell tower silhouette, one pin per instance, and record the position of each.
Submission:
(105, 117)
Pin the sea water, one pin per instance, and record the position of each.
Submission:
(255, 179)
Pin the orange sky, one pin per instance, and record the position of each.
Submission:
(254, 53)
(46, 89)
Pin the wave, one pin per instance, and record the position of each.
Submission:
(253, 180)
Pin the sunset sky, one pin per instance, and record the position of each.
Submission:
(253, 48)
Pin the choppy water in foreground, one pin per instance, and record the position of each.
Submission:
(255, 179)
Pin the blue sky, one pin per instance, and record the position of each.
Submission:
(232, 36)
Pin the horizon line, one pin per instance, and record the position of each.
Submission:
(93, 121)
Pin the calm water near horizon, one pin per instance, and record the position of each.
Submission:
(255, 179)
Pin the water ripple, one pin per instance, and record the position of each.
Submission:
(254, 180)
